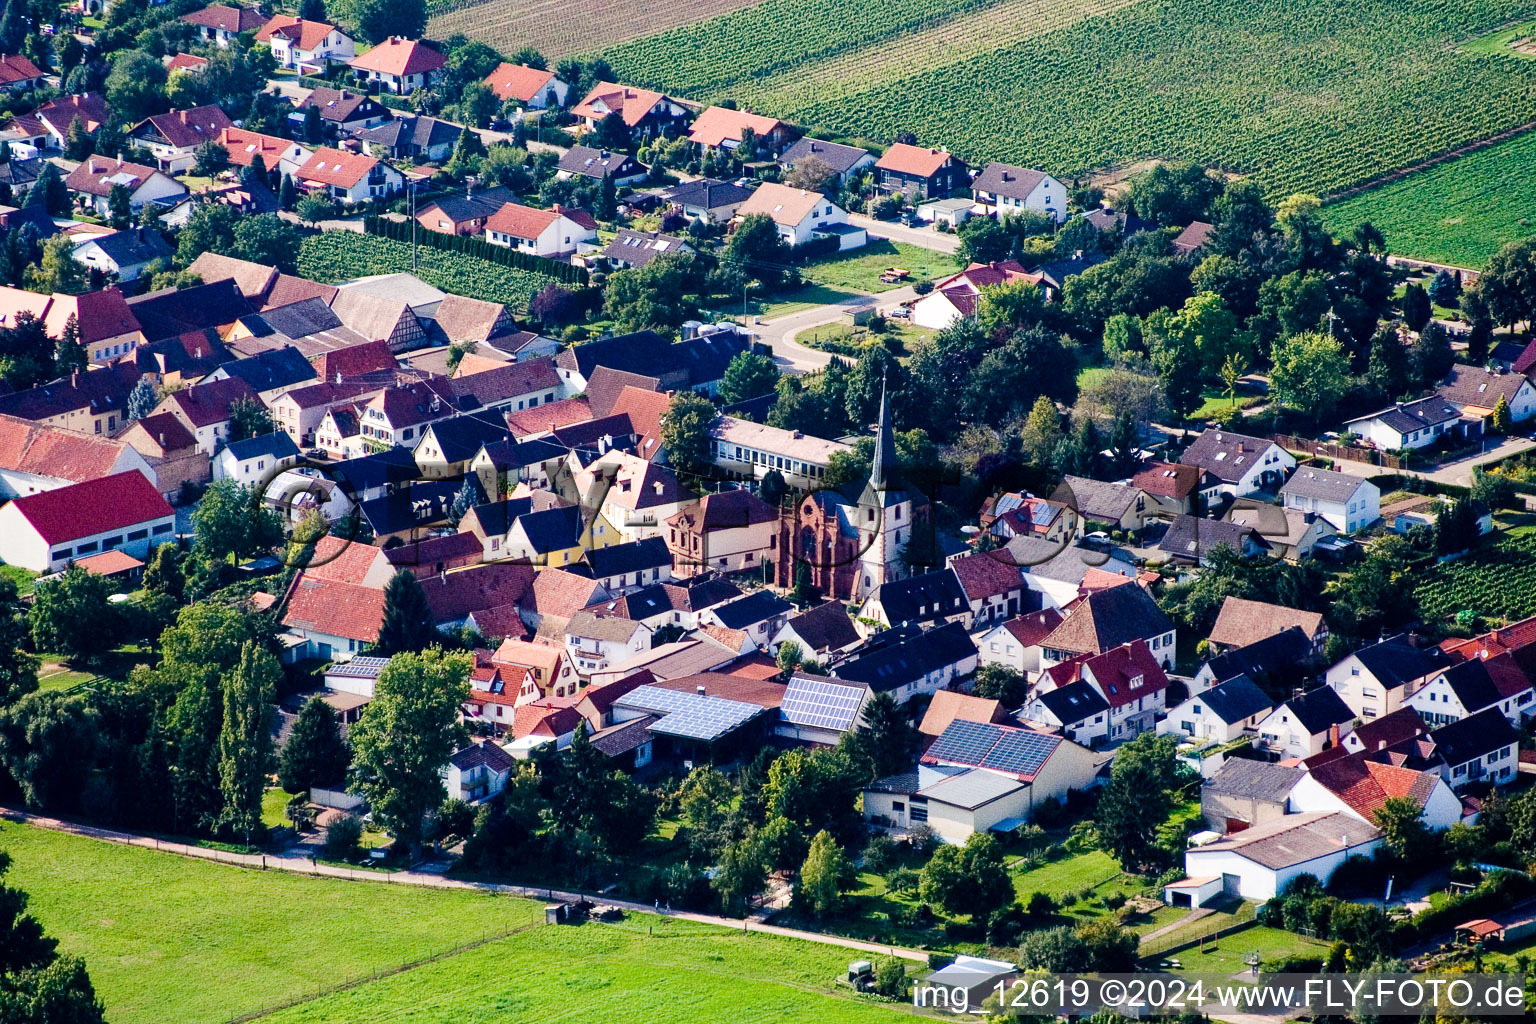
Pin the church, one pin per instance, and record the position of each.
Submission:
(853, 545)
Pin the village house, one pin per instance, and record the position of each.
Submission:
(529, 88)
(1244, 465)
(1191, 540)
(921, 172)
(621, 568)
(1376, 680)
(1242, 622)
(37, 458)
(122, 255)
(728, 531)
(478, 772)
(1481, 748)
(1306, 724)
(93, 180)
(1258, 862)
(1020, 514)
(1286, 533)
(399, 65)
(1016, 642)
(908, 661)
(18, 74)
(845, 161)
(1003, 190)
(411, 137)
(1129, 678)
(204, 409)
(1475, 392)
(221, 23)
(549, 233)
(271, 374)
(1118, 505)
(1221, 714)
(171, 451)
(548, 667)
(341, 110)
(1169, 489)
(595, 642)
(1407, 424)
(954, 297)
(644, 112)
(306, 46)
(925, 599)
(90, 401)
(1348, 502)
(348, 178)
(463, 214)
(751, 450)
(255, 460)
(47, 530)
(1107, 619)
(597, 164)
(994, 588)
(47, 127)
(722, 129)
(630, 249)
(707, 200)
(821, 633)
(281, 155)
(1466, 688)
(173, 138)
(801, 216)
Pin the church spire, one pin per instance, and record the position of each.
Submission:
(885, 443)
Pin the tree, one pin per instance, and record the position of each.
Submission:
(245, 740)
(1173, 194)
(314, 131)
(58, 271)
(685, 432)
(1001, 683)
(266, 238)
(249, 418)
(757, 250)
(1401, 821)
(888, 742)
(377, 20)
(606, 205)
(1388, 368)
(18, 669)
(39, 986)
(1009, 306)
(984, 240)
(812, 790)
(232, 520)
(967, 880)
(1445, 289)
(1137, 800)
(163, 575)
(813, 175)
(315, 753)
(823, 877)
(741, 874)
(312, 10)
(407, 624)
(1041, 433)
(71, 615)
(1008, 379)
(468, 497)
(312, 208)
(120, 207)
(1432, 358)
(1310, 373)
(135, 87)
(142, 399)
(78, 143)
(1416, 307)
(789, 658)
(554, 306)
(49, 191)
(652, 297)
(405, 736)
(1111, 948)
(748, 375)
(211, 158)
(1500, 420)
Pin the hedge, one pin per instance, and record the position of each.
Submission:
(815, 248)
(479, 248)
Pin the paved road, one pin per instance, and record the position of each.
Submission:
(1458, 472)
(927, 238)
(780, 332)
(303, 865)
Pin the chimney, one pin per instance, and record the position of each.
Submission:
(74, 379)
(162, 439)
(701, 690)
(1381, 745)
(659, 489)
(1333, 735)
(1296, 693)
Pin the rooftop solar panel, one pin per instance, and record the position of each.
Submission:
(1021, 751)
(690, 715)
(965, 742)
(820, 704)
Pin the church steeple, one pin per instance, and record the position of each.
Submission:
(885, 444)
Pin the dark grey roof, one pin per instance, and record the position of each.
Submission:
(488, 754)
(1322, 484)
(132, 246)
(1472, 685)
(472, 205)
(275, 368)
(297, 319)
(1008, 180)
(620, 559)
(277, 445)
(1056, 272)
(1277, 653)
(758, 606)
(906, 782)
(927, 597)
(551, 529)
(623, 737)
(1255, 780)
(641, 352)
(639, 248)
(1398, 660)
(1319, 709)
(1407, 417)
(517, 454)
(419, 131)
(1474, 736)
(460, 437)
(1225, 455)
(826, 627)
(21, 172)
(901, 656)
(392, 466)
(165, 313)
(496, 517)
(1234, 700)
(1074, 702)
(1100, 500)
(835, 155)
(599, 163)
(424, 501)
(707, 194)
(1193, 537)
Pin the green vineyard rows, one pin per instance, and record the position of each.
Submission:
(1497, 583)
(335, 256)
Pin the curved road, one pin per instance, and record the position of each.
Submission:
(779, 333)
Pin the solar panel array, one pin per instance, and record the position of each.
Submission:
(823, 705)
(361, 667)
(1001, 748)
(690, 715)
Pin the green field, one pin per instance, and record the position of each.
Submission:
(337, 256)
(167, 938)
(1311, 95)
(1458, 212)
(1497, 582)
(860, 270)
(1226, 955)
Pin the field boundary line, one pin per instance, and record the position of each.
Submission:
(358, 982)
(1434, 160)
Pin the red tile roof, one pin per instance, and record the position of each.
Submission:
(187, 129)
(335, 609)
(1366, 785)
(1115, 673)
(353, 360)
(166, 431)
(517, 81)
(341, 561)
(27, 447)
(948, 706)
(186, 62)
(97, 174)
(90, 107)
(1167, 480)
(1030, 629)
(227, 17)
(720, 124)
(206, 404)
(109, 563)
(306, 35)
(98, 315)
(544, 418)
(16, 68)
(984, 575)
(919, 160)
(95, 506)
(629, 103)
(762, 692)
(245, 146)
(333, 167)
(400, 57)
(521, 221)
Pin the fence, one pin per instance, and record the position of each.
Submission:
(1370, 456)
(400, 231)
(1175, 944)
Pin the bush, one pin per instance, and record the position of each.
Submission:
(342, 837)
(879, 853)
(923, 287)
(891, 977)
(1041, 904)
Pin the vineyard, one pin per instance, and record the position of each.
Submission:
(1458, 212)
(559, 27)
(335, 256)
(1310, 95)
(1496, 583)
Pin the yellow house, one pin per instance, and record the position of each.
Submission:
(557, 537)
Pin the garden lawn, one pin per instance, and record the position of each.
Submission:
(643, 969)
(273, 802)
(1213, 402)
(166, 937)
(860, 270)
(1071, 875)
(23, 578)
(802, 299)
(1225, 955)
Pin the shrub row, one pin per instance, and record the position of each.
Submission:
(479, 248)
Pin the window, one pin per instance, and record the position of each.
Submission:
(163, 528)
(138, 535)
(86, 548)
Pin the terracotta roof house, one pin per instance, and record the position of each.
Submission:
(17, 73)
(308, 46)
(1016, 642)
(93, 180)
(173, 138)
(921, 172)
(1004, 189)
(948, 706)
(399, 65)
(994, 586)
(1242, 622)
(721, 128)
(801, 215)
(277, 154)
(36, 458)
(1169, 487)
(186, 62)
(349, 177)
(955, 296)
(221, 23)
(335, 620)
(1362, 786)
(645, 112)
(90, 401)
(125, 511)
(107, 325)
(171, 451)
(48, 125)
(343, 109)
(530, 87)
(549, 233)
(204, 409)
(1192, 239)
(1107, 619)
(1128, 677)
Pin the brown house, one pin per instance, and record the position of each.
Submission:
(171, 450)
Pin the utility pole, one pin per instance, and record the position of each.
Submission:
(412, 190)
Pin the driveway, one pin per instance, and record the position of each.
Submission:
(927, 238)
(779, 333)
(1458, 472)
